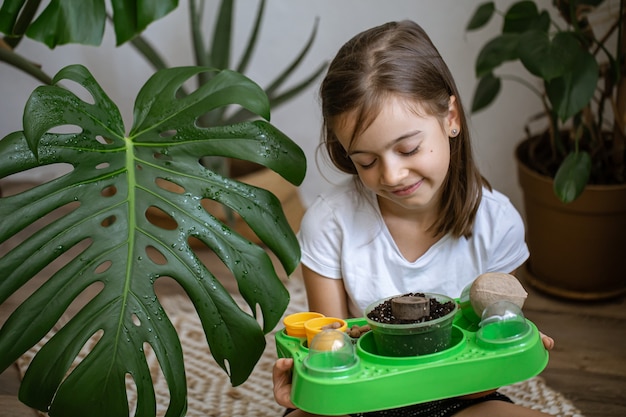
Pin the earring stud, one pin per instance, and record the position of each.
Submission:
(455, 132)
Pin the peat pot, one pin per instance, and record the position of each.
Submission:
(577, 250)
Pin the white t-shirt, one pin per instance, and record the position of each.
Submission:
(343, 236)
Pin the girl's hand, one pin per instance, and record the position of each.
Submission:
(281, 376)
(548, 342)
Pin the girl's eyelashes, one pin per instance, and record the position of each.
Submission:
(369, 164)
(366, 165)
(411, 152)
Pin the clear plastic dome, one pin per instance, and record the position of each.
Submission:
(331, 352)
(503, 324)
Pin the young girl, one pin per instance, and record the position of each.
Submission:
(417, 216)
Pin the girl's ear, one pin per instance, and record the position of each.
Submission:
(452, 122)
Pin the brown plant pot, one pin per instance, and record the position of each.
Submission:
(577, 250)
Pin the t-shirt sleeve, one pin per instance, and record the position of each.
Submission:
(320, 237)
(509, 250)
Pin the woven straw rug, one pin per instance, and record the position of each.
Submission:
(211, 395)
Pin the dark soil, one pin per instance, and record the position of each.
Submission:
(539, 155)
(382, 312)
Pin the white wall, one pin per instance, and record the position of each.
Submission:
(121, 71)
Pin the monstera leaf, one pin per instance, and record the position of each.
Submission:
(78, 21)
(116, 180)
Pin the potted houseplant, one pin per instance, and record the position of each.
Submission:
(572, 171)
(18, 20)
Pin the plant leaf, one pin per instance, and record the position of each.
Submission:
(65, 21)
(112, 241)
(9, 12)
(131, 18)
(574, 90)
(547, 58)
(222, 36)
(486, 91)
(482, 15)
(572, 176)
(78, 21)
(523, 16)
(496, 52)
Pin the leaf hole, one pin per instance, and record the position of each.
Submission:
(161, 219)
(103, 165)
(103, 267)
(156, 375)
(135, 320)
(168, 133)
(196, 243)
(161, 156)
(227, 367)
(109, 221)
(66, 129)
(155, 255)
(168, 185)
(131, 393)
(258, 314)
(31, 178)
(109, 191)
(63, 257)
(219, 210)
(87, 348)
(79, 91)
(21, 235)
(103, 140)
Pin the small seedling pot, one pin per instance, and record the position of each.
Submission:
(412, 339)
(294, 323)
(314, 326)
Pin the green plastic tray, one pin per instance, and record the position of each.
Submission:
(378, 382)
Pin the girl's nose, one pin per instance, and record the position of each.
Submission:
(392, 173)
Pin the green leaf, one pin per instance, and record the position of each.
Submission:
(131, 18)
(486, 91)
(222, 36)
(481, 16)
(572, 176)
(9, 12)
(68, 21)
(497, 51)
(79, 21)
(523, 16)
(574, 90)
(547, 58)
(108, 234)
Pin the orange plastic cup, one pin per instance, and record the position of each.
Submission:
(294, 323)
(314, 326)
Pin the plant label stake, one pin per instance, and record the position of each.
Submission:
(410, 307)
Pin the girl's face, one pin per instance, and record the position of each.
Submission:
(403, 156)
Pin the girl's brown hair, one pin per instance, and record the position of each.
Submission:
(398, 59)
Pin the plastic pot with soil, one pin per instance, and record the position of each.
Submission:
(412, 324)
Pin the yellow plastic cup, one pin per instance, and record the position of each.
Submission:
(294, 323)
(313, 326)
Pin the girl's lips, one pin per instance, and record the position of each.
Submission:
(407, 190)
